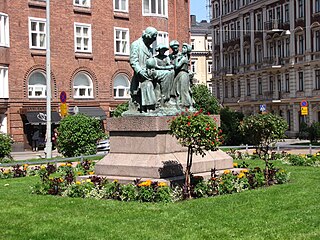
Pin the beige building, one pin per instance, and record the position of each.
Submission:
(201, 55)
(266, 56)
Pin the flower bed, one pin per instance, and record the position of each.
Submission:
(61, 181)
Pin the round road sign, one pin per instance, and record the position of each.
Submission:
(304, 103)
(63, 97)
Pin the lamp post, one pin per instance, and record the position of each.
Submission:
(48, 76)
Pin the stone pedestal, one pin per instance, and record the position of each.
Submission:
(142, 148)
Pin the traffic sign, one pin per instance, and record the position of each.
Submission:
(304, 110)
(304, 103)
(63, 97)
(63, 109)
(263, 107)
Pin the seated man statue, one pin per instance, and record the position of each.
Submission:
(142, 85)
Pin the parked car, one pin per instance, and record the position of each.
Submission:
(103, 145)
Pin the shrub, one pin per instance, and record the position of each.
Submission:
(120, 109)
(230, 121)
(5, 146)
(78, 135)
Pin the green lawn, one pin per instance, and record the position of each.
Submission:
(289, 211)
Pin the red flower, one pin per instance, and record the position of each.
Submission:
(189, 123)
(208, 113)
(207, 129)
(189, 117)
(200, 111)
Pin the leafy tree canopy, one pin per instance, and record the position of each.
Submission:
(204, 99)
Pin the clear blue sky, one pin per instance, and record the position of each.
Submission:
(198, 8)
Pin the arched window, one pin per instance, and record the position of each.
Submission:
(121, 86)
(37, 85)
(82, 86)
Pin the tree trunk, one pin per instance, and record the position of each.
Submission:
(187, 192)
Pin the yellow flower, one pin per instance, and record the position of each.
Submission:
(62, 164)
(91, 173)
(240, 175)
(226, 171)
(79, 173)
(7, 171)
(244, 171)
(145, 184)
(235, 164)
(162, 184)
(88, 180)
(60, 179)
(69, 164)
(78, 182)
(115, 181)
(43, 167)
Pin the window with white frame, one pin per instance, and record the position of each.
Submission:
(300, 44)
(300, 8)
(121, 41)
(259, 21)
(82, 37)
(4, 30)
(259, 86)
(316, 40)
(3, 123)
(4, 83)
(317, 78)
(82, 86)
(37, 33)
(247, 25)
(209, 66)
(287, 82)
(155, 8)
(37, 85)
(192, 44)
(193, 66)
(209, 45)
(286, 13)
(316, 6)
(120, 5)
(300, 81)
(121, 86)
(82, 3)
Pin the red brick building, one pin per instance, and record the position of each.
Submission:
(90, 43)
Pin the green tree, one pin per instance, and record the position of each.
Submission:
(314, 132)
(204, 99)
(78, 135)
(197, 132)
(262, 130)
(230, 121)
(5, 146)
(120, 109)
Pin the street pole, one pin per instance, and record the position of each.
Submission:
(48, 76)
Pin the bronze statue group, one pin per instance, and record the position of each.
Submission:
(161, 81)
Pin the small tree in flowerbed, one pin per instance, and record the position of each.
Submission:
(78, 135)
(5, 146)
(262, 130)
(199, 133)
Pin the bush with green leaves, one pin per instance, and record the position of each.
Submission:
(120, 109)
(204, 99)
(78, 135)
(230, 121)
(5, 146)
(314, 132)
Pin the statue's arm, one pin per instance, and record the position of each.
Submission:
(180, 61)
(134, 58)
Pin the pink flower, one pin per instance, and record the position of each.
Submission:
(189, 123)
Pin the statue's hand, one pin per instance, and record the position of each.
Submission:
(144, 74)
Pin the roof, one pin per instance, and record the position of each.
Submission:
(200, 28)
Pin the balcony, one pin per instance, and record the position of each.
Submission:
(274, 62)
(275, 25)
(228, 71)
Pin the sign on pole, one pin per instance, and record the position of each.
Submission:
(304, 103)
(304, 111)
(63, 97)
(63, 109)
(263, 108)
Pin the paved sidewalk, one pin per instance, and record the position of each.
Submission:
(28, 154)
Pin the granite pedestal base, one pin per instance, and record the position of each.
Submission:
(142, 148)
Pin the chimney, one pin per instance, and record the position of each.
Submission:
(193, 20)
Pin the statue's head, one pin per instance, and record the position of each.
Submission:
(174, 45)
(186, 48)
(150, 34)
(161, 48)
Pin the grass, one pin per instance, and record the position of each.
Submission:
(289, 211)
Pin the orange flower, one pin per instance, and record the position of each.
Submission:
(226, 171)
(162, 184)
